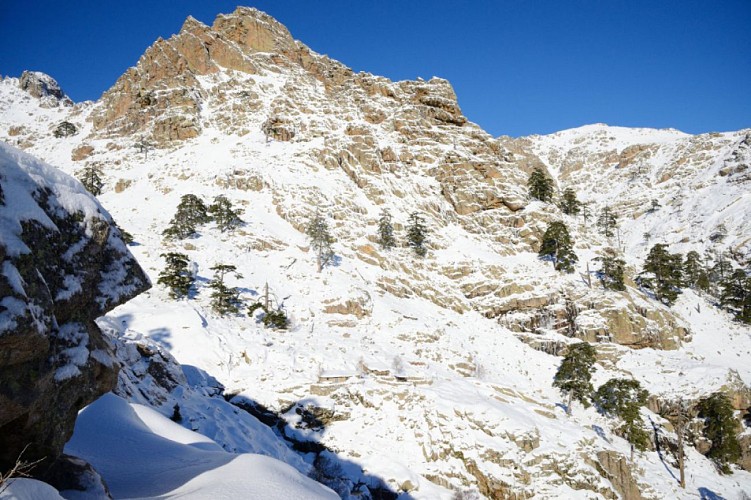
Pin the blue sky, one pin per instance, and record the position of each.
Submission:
(518, 67)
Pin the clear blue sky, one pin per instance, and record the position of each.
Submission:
(518, 67)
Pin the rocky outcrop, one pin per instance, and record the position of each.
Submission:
(618, 471)
(45, 88)
(63, 265)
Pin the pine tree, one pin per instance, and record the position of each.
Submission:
(662, 274)
(558, 246)
(320, 240)
(91, 178)
(226, 217)
(191, 213)
(574, 375)
(224, 299)
(176, 275)
(276, 318)
(721, 270)
(736, 295)
(386, 231)
(622, 398)
(611, 272)
(585, 211)
(417, 234)
(720, 427)
(694, 274)
(570, 205)
(654, 206)
(540, 185)
(607, 222)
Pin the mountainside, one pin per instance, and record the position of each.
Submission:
(432, 375)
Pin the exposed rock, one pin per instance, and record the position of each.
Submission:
(44, 88)
(617, 470)
(64, 264)
(81, 152)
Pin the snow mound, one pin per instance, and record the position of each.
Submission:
(142, 454)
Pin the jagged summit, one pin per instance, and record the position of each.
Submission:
(43, 87)
(162, 96)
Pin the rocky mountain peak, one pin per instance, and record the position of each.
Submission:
(161, 97)
(255, 31)
(43, 87)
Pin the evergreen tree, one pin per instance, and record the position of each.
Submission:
(570, 205)
(622, 398)
(719, 234)
(191, 213)
(694, 274)
(654, 206)
(320, 240)
(224, 299)
(607, 222)
(574, 375)
(611, 272)
(226, 217)
(721, 270)
(540, 185)
(720, 427)
(417, 234)
(585, 211)
(662, 274)
(386, 231)
(558, 246)
(176, 275)
(736, 295)
(276, 319)
(91, 178)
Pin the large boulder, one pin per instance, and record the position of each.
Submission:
(63, 265)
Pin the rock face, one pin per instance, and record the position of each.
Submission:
(63, 265)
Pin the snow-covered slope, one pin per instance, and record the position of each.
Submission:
(432, 375)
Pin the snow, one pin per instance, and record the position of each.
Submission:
(142, 454)
(28, 489)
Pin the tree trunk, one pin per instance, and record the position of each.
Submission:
(679, 429)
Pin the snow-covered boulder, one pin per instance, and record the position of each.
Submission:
(63, 264)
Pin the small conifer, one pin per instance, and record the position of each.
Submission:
(176, 275)
(570, 205)
(540, 185)
(721, 428)
(226, 217)
(662, 273)
(574, 375)
(386, 231)
(607, 222)
(91, 178)
(735, 295)
(622, 398)
(417, 234)
(558, 246)
(321, 240)
(191, 212)
(224, 299)
(611, 272)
